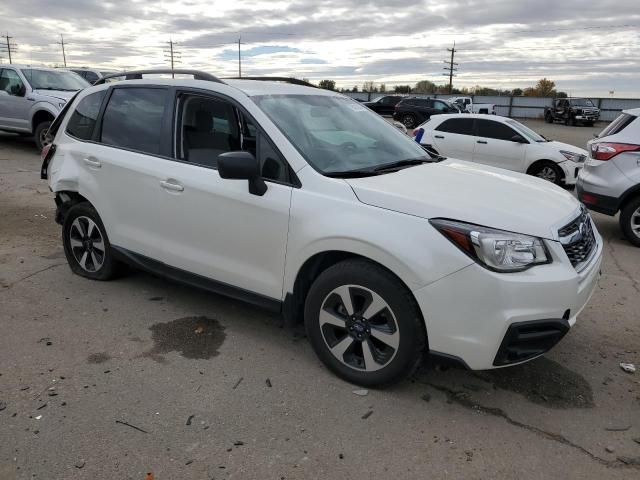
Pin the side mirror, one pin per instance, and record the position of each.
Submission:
(18, 90)
(518, 139)
(242, 166)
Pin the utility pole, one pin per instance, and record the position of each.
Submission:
(451, 67)
(239, 58)
(64, 56)
(173, 55)
(9, 46)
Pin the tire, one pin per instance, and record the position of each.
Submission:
(567, 121)
(547, 171)
(342, 341)
(588, 124)
(408, 120)
(86, 244)
(630, 221)
(40, 136)
(548, 118)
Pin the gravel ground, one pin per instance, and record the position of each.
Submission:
(110, 380)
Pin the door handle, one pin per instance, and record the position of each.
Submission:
(92, 162)
(482, 141)
(438, 136)
(174, 187)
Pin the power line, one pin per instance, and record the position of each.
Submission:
(173, 55)
(64, 56)
(451, 67)
(9, 46)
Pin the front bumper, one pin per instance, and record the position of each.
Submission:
(571, 171)
(587, 118)
(469, 313)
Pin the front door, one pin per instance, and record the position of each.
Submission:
(454, 138)
(14, 104)
(217, 229)
(494, 146)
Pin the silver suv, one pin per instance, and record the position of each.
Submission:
(610, 181)
(31, 97)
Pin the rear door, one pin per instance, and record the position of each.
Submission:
(454, 138)
(494, 146)
(123, 166)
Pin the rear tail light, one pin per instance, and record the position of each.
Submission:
(606, 151)
(47, 154)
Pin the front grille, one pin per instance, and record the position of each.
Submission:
(578, 239)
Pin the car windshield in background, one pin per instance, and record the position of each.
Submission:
(54, 80)
(338, 135)
(526, 131)
(582, 102)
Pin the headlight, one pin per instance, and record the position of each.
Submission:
(495, 250)
(574, 157)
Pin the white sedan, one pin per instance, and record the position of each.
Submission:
(502, 142)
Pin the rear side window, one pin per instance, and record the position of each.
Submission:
(461, 126)
(617, 125)
(83, 119)
(497, 130)
(133, 119)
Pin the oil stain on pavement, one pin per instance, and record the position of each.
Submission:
(192, 337)
(97, 358)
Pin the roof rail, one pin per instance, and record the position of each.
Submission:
(291, 80)
(137, 75)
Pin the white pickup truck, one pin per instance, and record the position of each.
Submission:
(467, 105)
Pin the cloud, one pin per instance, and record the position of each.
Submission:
(584, 46)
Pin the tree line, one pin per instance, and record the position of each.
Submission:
(544, 88)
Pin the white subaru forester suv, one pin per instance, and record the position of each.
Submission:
(304, 201)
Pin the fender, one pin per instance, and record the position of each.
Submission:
(628, 194)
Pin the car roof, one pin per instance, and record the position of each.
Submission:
(632, 111)
(483, 116)
(21, 66)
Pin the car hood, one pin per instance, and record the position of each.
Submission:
(566, 147)
(464, 191)
(57, 94)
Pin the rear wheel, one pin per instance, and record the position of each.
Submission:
(86, 244)
(364, 324)
(40, 135)
(630, 221)
(548, 118)
(409, 120)
(547, 171)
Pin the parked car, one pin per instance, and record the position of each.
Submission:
(412, 111)
(466, 104)
(389, 252)
(610, 180)
(503, 142)
(384, 105)
(31, 97)
(91, 75)
(571, 111)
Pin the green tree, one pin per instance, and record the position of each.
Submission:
(327, 84)
(561, 95)
(516, 92)
(425, 86)
(355, 89)
(383, 88)
(545, 88)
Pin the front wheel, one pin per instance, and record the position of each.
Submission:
(547, 171)
(548, 118)
(630, 221)
(40, 135)
(364, 324)
(409, 121)
(86, 244)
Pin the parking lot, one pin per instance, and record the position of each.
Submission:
(117, 379)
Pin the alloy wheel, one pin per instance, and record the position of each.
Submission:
(408, 121)
(359, 328)
(635, 222)
(87, 244)
(547, 173)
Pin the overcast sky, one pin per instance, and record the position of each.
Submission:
(587, 47)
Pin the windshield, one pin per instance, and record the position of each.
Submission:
(526, 131)
(54, 80)
(337, 134)
(582, 102)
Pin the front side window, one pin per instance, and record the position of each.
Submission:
(133, 119)
(90, 76)
(83, 120)
(495, 130)
(54, 80)
(441, 106)
(461, 126)
(336, 134)
(10, 82)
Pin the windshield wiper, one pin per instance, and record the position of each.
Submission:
(53, 88)
(402, 164)
(352, 174)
